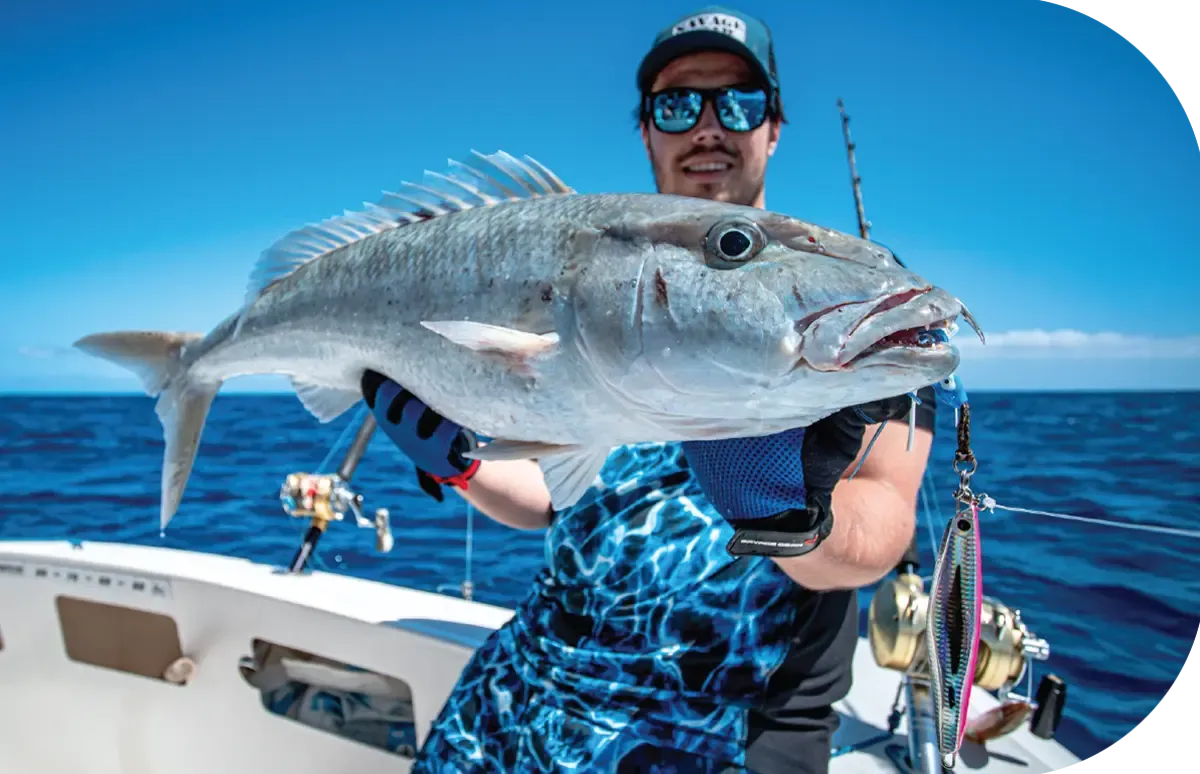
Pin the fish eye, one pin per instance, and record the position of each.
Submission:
(735, 241)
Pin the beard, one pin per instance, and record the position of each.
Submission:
(744, 188)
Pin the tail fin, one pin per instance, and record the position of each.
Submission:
(182, 405)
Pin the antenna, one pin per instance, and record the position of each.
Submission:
(864, 225)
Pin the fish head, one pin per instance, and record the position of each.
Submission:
(724, 311)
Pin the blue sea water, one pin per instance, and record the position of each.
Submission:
(1119, 608)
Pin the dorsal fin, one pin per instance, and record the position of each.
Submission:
(488, 180)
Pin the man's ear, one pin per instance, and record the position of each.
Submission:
(773, 136)
(646, 141)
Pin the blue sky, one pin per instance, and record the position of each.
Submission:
(1019, 153)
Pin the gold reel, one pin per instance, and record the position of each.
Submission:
(326, 498)
(896, 630)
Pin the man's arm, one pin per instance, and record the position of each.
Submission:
(512, 492)
(874, 514)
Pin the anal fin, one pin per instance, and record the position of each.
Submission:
(325, 403)
(501, 449)
(568, 476)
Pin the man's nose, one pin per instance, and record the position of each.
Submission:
(708, 130)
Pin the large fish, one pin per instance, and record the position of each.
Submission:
(557, 323)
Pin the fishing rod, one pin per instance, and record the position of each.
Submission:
(864, 225)
(911, 561)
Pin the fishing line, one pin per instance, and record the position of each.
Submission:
(989, 504)
(342, 438)
(468, 584)
(927, 497)
(867, 453)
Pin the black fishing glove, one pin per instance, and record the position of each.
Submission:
(832, 444)
(776, 491)
(433, 443)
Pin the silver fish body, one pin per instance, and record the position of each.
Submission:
(955, 601)
(557, 323)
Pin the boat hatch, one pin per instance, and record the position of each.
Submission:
(328, 695)
(124, 639)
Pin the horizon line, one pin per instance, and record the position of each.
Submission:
(286, 393)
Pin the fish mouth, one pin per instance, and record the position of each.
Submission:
(921, 339)
(916, 322)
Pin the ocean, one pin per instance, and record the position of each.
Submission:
(1119, 608)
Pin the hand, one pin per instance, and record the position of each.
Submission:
(832, 444)
(776, 491)
(433, 443)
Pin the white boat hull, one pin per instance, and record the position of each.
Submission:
(61, 716)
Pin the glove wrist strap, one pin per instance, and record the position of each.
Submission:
(459, 480)
(778, 535)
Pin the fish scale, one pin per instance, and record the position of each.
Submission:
(559, 324)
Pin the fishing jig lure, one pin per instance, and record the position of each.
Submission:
(956, 595)
(953, 628)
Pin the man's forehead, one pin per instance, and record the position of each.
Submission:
(706, 68)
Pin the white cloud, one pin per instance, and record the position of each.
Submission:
(44, 353)
(1039, 343)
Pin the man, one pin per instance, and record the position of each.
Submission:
(658, 635)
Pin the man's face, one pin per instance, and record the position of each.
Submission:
(710, 161)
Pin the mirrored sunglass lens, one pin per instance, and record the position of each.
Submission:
(676, 111)
(741, 111)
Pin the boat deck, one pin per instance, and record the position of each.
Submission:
(864, 715)
(94, 636)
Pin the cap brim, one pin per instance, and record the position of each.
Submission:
(691, 43)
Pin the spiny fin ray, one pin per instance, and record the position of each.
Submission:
(413, 203)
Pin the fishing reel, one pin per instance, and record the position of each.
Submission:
(896, 631)
(326, 498)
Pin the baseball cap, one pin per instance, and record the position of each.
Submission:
(712, 28)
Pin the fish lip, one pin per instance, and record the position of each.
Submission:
(914, 308)
(893, 301)
(902, 356)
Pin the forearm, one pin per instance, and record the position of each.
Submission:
(512, 492)
(874, 513)
(872, 526)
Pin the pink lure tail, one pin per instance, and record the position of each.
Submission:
(953, 629)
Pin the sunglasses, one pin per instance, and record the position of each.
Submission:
(738, 108)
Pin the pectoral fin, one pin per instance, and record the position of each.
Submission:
(517, 348)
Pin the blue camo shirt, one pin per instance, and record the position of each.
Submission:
(640, 601)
